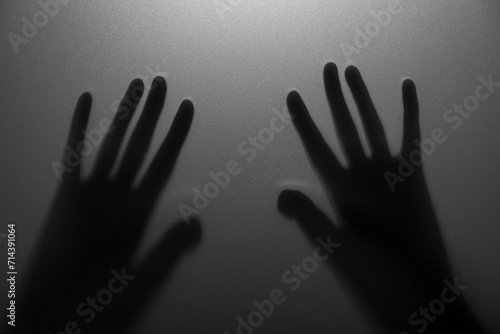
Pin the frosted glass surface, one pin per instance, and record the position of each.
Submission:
(237, 65)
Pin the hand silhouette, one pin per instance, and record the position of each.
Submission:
(83, 275)
(392, 256)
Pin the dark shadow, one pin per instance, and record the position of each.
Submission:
(392, 255)
(82, 276)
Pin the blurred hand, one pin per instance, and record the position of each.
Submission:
(392, 256)
(95, 225)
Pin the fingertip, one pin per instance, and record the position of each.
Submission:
(82, 111)
(409, 87)
(159, 80)
(330, 69)
(293, 95)
(185, 113)
(352, 74)
(194, 225)
(159, 84)
(296, 107)
(187, 233)
(85, 100)
(137, 82)
(284, 205)
(351, 69)
(136, 88)
(86, 95)
(294, 99)
(181, 123)
(291, 202)
(410, 95)
(331, 76)
(187, 106)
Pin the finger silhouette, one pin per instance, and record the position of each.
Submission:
(143, 133)
(165, 159)
(314, 222)
(317, 148)
(372, 124)
(76, 135)
(344, 123)
(111, 144)
(411, 125)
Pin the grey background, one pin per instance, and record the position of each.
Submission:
(236, 70)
